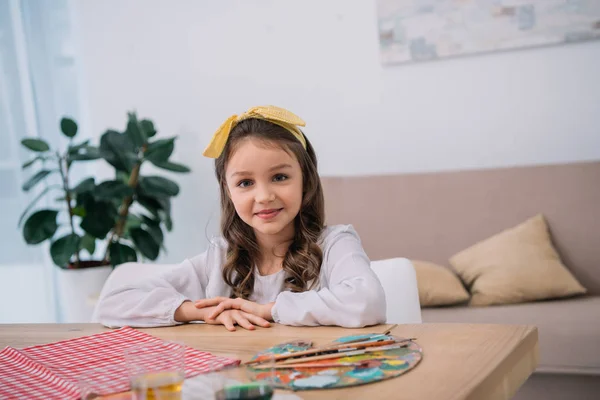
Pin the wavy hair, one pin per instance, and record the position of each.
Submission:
(302, 261)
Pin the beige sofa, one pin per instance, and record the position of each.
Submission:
(432, 216)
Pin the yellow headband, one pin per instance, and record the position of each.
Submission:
(276, 115)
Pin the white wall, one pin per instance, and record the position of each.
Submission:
(190, 64)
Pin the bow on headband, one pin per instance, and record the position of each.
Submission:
(276, 115)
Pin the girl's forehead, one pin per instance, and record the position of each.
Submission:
(255, 156)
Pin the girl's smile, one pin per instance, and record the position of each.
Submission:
(269, 214)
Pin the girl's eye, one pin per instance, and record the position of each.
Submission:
(245, 183)
(280, 178)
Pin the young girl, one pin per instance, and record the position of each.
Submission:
(276, 260)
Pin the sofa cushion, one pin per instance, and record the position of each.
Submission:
(517, 265)
(438, 285)
(569, 329)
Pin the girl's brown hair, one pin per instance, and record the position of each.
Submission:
(302, 261)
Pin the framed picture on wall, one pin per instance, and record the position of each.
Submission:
(424, 30)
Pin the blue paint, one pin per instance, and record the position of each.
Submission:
(366, 374)
(356, 338)
(315, 382)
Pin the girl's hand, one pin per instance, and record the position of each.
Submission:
(230, 318)
(221, 304)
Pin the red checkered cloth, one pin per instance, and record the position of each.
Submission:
(51, 371)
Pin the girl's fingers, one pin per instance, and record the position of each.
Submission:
(221, 304)
(228, 322)
(216, 312)
(243, 321)
(256, 320)
(210, 302)
(225, 305)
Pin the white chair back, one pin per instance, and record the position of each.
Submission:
(399, 281)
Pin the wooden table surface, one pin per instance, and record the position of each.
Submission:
(460, 361)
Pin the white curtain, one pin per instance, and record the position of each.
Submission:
(38, 85)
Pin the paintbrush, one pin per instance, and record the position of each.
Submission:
(326, 349)
(342, 354)
(364, 338)
(374, 336)
(353, 346)
(315, 365)
(387, 332)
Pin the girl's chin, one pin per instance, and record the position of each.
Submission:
(271, 228)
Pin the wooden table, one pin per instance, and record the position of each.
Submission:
(461, 361)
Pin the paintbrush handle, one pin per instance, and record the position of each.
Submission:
(390, 329)
(340, 354)
(341, 346)
(311, 365)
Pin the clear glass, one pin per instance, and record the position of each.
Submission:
(156, 371)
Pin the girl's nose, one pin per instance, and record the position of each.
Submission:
(264, 194)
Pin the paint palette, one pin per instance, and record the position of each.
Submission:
(347, 371)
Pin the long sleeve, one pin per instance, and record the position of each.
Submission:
(350, 296)
(153, 301)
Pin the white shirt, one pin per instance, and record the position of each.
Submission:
(348, 292)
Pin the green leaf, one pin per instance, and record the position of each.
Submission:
(156, 233)
(145, 243)
(149, 221)
(34, 201)
(159, 207)
(133, 221)
(111, 190)
(164, 212)
(34, 180)
(148, 127)
(149, 203)
(68, 127)
(63, 249)
(86, 185)
(168, 222)
(120, 253)
(88, 242)
(99, 219)
(35, 144)
(157, 186)
(122, 176)
(32, 161)
(85, 153)
(85, 199)
(40, 226)
(165, 204)
(135, 131)
(79, 211)
(118, 150)
(75, 148)
(171, 166)
(160, 151)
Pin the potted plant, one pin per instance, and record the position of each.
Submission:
(94, 226)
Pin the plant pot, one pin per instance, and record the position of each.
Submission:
(77, 291)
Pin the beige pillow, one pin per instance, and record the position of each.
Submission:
(516, 265)
(438, 286)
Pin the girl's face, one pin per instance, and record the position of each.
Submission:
(265, 186)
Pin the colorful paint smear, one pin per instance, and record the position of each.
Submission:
(374, 367)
